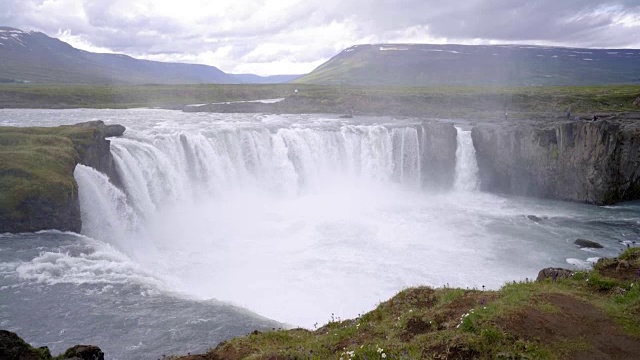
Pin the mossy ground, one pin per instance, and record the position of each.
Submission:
(590, 315)
(437, 101)
(38, 163)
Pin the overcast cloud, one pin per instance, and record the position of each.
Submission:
(294, 36)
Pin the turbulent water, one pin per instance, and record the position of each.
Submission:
(292, 218)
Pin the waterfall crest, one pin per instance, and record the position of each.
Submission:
(169, 168)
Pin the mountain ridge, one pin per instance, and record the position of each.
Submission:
(34, 57)
(476, 65)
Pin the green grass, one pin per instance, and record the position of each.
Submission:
(38, 163)
(425, 323)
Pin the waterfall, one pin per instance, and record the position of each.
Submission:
(105, 211)
(252, 213)
(466, 165)
(161, 170)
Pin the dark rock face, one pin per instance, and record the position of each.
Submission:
(12, 347)
(583, 243)
(554, 274)
(97, 152)
(41, 214)
(438, 144)
(594, 162)
(84, 352)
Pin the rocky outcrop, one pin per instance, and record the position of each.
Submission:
(584, 243)
(438, 158)
(594, 162)
(96, 153)
(37, 188)
(12, 347)
(84, 352)
(554, 274)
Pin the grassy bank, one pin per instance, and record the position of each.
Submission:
(37, 187)
(38, 162)
(587, 315)
(425, 101)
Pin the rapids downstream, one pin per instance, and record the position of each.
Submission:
(227, 223)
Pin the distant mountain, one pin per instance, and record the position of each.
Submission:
(273, 79)
(27, 56)
(500, 65)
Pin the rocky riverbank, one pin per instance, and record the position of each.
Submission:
(563, 314)
(37, 187)
(12, 347)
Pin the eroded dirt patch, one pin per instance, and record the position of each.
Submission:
(576, 321)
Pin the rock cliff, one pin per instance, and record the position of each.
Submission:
(37, 187)
(438, 158)
(595, 162)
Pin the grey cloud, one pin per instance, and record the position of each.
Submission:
(589, 23)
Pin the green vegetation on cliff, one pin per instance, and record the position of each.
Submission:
(37, 187)
(593, 313)
(36, 163)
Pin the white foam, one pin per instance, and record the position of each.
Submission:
(98, 264)
(580, 264)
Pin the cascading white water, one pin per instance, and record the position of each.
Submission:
(106, 213)
(466, 165)
(294, 217)
(166, 169)
(273, 218)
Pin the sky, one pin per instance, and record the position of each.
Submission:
(268, 37)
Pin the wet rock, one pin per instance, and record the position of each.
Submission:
(554, 274)
(345, 116)
(584, 243)
(84, 352)
(438, 144)
(534, 218)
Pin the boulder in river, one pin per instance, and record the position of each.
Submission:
(584, 243)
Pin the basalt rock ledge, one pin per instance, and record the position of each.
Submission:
(37, 188)
(596, 162)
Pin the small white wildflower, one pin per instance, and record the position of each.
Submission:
(410, 310)
(380, 350)
(384, 356)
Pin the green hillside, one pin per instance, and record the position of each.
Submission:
(460, 65)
